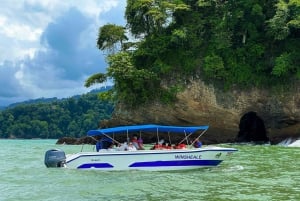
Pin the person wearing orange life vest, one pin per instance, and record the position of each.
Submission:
(181, 146)
(156, 146)
(164, 146)
(169, 146)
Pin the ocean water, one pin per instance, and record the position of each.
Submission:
(253, 173)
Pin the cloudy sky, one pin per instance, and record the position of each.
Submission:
(48, 47)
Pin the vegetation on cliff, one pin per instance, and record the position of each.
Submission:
(71, 117)
(235, 43)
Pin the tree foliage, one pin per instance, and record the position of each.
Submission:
(145, 17)
(240, 43)
(71, 117)
(132, 85)
(95, 79)
(110, 35)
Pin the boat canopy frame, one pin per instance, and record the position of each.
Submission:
(146, 128)
(186, 130)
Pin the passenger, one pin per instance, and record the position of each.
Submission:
(161, 141)
(176, 146)
(112, 147)
(103, 143)
(156, 146)
(164, 145)
(131, 147)
(140, 144)
(122, 147)
(98, 145)
(197, 144)
(134, 141)
(181, 146)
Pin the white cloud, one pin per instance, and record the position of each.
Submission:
(48, 47)
(25, 20)
(21, 32)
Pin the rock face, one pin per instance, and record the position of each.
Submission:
(202, 104)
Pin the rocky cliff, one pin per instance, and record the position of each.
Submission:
(202, 104)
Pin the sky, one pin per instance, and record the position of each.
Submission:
(48, 47)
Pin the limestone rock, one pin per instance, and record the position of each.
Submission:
(202, 104)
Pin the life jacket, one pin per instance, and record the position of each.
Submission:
(168, 146)
(182, 146)
(157, 146)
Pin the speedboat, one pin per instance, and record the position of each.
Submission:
(158, 158)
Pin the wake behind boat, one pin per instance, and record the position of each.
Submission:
(161, 157)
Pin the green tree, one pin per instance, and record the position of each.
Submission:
(278, 25)
(145, 17)
(109, 36)
(132, 85)
(235, 43)
(69, 117)
(282, 65)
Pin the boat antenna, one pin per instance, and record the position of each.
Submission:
(94, 140)
(201, 133)
(157, 135)
(199, 136)
(169, 137)
(83, 143)
(128, 137)
(186, 137)
(112, 138)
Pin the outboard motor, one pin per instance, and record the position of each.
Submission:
(55, 158)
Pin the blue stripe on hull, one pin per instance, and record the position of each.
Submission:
(177, 163)
(95, 165)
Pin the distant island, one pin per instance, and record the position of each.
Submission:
(55, 118)
(50, 100)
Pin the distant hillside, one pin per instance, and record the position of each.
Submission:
(55, 118)
(50, 100)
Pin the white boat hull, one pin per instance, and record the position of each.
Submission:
(151, 160)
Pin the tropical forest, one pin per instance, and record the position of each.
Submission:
(71, 117)
(228, 43)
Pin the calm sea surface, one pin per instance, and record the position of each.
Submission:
(253, 173)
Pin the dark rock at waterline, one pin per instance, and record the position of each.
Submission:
(252, 129)
(76, 141)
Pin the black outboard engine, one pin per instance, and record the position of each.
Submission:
(55, 158)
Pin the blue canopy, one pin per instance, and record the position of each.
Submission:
(146, 128)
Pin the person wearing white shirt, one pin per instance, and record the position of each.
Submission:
(131, 147)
